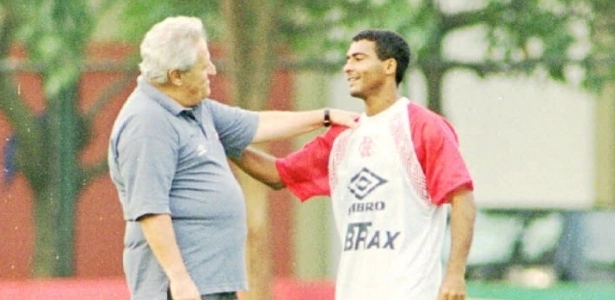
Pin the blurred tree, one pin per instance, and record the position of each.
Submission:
(554, 36)
(54, 35)
(558, 37)
(252, 50)
(603, 35)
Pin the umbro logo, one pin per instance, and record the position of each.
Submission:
(201, 150)
(364, 182)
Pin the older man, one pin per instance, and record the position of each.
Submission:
(184, 210)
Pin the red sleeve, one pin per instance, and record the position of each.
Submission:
(437, 150)
(305, 172)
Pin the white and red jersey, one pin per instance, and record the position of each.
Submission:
(387, 179)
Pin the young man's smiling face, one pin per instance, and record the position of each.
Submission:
(364, 71)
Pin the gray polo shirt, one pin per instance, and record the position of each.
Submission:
(166, 159)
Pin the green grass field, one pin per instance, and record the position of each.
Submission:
(561, 291)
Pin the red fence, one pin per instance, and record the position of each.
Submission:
(99, 225)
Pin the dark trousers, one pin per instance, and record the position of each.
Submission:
(218, 296)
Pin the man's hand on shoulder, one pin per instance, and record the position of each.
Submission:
(344, 118)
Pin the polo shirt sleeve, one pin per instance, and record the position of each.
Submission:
(437, 150)
(305, 171)
(147, 165)
(236, 127)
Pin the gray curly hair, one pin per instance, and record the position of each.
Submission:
(170, 44)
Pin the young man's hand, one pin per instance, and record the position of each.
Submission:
(453, 288)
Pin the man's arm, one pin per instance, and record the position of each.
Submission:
(463, 213)
(159, 233)
(276, 125)
(261, 166)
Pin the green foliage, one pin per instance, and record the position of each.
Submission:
(68, 22)
(601, 26)
(520, 36)
(531, 34)
(139, 15)
(322, 31)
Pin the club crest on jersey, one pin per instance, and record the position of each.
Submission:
(365, 182)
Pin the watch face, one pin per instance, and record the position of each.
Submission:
(327, 120)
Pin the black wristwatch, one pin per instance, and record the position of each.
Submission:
(327, 120)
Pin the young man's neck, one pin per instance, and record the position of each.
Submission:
(377, 104)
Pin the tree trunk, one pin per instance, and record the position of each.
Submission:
(434, 89)
(605, 115)
(430, 63)
(259, 257)
(55, 201)
(251, 59)
(605, 143)
(54, 227)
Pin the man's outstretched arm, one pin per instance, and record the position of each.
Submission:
(278, 125)
(261, 166)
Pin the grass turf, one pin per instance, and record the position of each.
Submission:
(560, 291)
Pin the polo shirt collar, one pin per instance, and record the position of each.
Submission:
(165, 101)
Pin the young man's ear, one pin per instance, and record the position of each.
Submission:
(175, 77)
(390, 66)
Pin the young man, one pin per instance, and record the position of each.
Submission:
(389, 180)
(184, 210)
